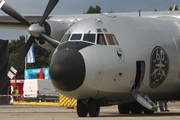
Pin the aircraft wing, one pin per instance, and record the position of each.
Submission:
(11, 23)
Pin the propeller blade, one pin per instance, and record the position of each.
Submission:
(49, 8)
(4, 6)
(50, 40)
(13, 70)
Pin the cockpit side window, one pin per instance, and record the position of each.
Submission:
(76, 37)
(89, 37)
(111, 39)
(101, 39)
(65, 38)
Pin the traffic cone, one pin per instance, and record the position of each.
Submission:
(41, 74)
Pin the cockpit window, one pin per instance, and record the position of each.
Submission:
(111, 39)
(65, 38)
(99, 30)
(101, 40)
(89, 37)
(76, 37)
(105, 30)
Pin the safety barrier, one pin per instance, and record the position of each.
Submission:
(63, 101)
(67, 102)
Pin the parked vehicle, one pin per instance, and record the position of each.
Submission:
(17, 83)
(39, 90)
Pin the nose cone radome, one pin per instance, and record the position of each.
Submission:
(67, 69)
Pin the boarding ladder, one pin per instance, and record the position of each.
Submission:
(144, 100)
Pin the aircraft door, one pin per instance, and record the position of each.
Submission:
(177, 44)
(141, 97)
(140, 71)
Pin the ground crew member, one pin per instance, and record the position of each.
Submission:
(15, 94)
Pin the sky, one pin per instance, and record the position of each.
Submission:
(34, 7)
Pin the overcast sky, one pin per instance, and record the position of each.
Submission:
(79, 6)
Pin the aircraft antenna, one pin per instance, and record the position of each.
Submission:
(139, 13)
(154, 5)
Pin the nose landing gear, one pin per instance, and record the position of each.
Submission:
(92, 107)
(82, 109)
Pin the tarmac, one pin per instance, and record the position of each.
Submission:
(32, 112)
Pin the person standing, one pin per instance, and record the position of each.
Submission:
(163, 106)
(16, 93)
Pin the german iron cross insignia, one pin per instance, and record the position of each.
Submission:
(159, 67)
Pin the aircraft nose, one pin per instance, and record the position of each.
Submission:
(67, 69)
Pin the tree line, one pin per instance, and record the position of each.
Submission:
(97, 9)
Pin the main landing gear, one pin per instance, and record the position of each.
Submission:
(134, 108)
(92, 107)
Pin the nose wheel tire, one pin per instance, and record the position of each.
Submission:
(93, 108)
(82, 109)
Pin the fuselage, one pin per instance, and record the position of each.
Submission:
(111, 69)
(125, 59)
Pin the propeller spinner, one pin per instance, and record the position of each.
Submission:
(36, 30)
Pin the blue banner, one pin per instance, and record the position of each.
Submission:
(30, 58)
(33, 73)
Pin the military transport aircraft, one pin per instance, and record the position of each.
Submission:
(106, 59)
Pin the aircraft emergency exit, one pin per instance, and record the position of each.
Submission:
(107, 59)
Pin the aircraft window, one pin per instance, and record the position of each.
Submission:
(99, 30)
(65, 38)
(89, 37)
(111, 39)
(105, 30)
(76, 37)
(101, 39)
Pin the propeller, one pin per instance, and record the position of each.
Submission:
(36, 30)
(5, 7)
(50, 40)
(49, 8)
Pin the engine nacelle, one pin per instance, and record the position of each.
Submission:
(56, 30)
